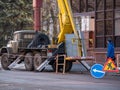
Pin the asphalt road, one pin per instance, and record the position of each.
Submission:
(19, 79)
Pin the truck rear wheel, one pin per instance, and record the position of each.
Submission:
(5, 62)
(28, 61)
(37, 60)
(60, 67)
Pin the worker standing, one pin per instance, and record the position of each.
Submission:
(110, 50)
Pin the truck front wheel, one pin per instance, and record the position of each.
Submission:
(5, 62)
(29, 61)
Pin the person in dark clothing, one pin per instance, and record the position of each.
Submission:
(110, 50)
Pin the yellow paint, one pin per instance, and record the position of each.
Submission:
(64, 21)
(67, 25)
(109, 65)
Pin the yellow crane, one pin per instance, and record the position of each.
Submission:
(67, 25)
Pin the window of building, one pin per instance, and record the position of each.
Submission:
(100, 4)
(117, 27)
(99, 28)
(75, 6)
(117, 14)
(108, 27)
(90, 5)
(108, 14)
(117, 4)
(117, 41)
(109, 4)
(82, 5)
(100, 15)
(100, 42)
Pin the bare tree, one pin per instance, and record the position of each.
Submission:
(49, 18)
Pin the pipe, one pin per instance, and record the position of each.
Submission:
(37, 4)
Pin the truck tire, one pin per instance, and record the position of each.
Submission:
(28, 61)
(5, 62)
(60, 67)
(37, 61)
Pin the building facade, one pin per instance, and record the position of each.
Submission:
(106, 15)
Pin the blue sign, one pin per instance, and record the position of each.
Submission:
(97, 71)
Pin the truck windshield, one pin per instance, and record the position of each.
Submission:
(16, 37)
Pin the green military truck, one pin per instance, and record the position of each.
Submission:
(32, 48)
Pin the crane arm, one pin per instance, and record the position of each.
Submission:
(67, 25)
(64, 20)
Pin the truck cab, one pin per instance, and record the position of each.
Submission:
(21, 39)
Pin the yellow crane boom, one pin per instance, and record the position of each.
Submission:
(67, 25)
